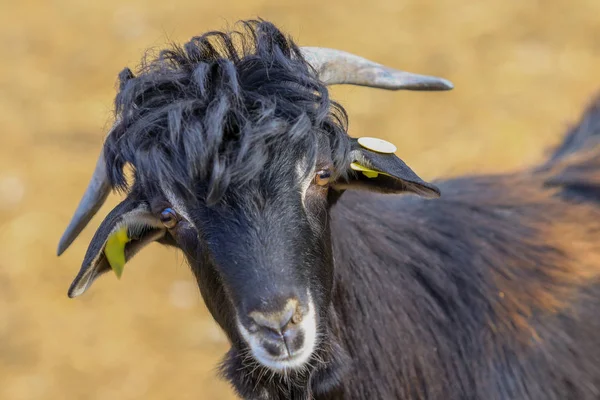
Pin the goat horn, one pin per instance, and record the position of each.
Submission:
(339, 67)
(96, 193)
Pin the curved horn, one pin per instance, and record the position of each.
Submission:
(96, 193)
(339, 67)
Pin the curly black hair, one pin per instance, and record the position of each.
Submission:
(217, 108)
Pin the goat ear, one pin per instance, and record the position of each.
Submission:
(375, 167)
(126, 230)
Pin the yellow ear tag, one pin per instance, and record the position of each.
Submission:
(378, 145)
(369, 173)
(115, 250)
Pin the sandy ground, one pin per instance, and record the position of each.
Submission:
(523, 70)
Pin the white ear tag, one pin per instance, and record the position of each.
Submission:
(378, 145)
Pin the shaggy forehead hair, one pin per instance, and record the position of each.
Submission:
(218, 109)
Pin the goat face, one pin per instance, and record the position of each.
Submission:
(262, 258)
(237, 163)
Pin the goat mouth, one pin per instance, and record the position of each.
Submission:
(288, 361)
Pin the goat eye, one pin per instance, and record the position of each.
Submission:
(322, 177)
(169, 218)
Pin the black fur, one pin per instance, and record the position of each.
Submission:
(490, 292)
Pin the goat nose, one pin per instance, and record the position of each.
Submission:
(278, 320)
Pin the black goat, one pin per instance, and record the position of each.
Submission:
(242, 161)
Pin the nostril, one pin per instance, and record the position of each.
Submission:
(277, 321)
(297, 316)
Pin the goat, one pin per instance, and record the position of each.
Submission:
(334, 270)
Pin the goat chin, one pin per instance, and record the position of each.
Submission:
(286, 364)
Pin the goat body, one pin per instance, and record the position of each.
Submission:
(490, 292)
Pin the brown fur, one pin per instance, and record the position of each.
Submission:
(490, 292)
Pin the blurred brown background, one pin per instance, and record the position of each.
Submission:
(523, 71)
